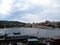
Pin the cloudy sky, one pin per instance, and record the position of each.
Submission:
(30, 10)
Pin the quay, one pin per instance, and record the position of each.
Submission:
(27, 40)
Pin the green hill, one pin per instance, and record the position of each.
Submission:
(8, 24)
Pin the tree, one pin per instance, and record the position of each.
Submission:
(53, 26)
(58, 25)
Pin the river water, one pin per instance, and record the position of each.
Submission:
(32, 31)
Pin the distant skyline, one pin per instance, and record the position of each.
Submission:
(30, 11)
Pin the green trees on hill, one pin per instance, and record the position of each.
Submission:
(58, 25)
(8, 24)
(53, 26)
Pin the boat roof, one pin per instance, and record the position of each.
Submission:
(32, 39)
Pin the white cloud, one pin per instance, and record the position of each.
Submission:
(44, 12)
(21, 6)
(31, 18)
(51, 7)
(54, 11)
(28, 18)
(40, 2)
(5, 6)
(27, 4)
(54, 4)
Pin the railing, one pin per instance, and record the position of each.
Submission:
(19, 37)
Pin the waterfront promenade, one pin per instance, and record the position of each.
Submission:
(13, 40)
(28, 40)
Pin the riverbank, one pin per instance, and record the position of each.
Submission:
(33, 27)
